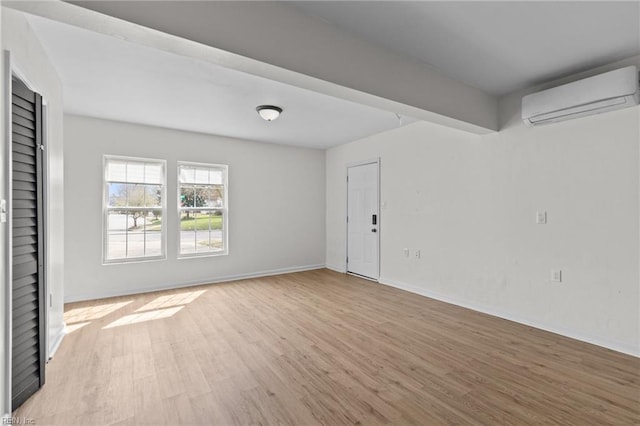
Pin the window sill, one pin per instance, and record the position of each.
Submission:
(200, 255)
(133, 260)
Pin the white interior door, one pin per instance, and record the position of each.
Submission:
(363, 222)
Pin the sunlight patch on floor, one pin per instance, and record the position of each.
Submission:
(170, 300)
(76, 326)
(144, 316)
(90, 313)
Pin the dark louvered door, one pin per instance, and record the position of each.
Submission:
(28, 343)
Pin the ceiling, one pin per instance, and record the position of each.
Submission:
(498, 47)
(111, 78)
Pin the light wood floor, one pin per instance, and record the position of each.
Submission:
(320, 347)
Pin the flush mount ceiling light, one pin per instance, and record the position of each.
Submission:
(269, 112)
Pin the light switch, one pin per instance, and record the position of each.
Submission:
(541, 218)
(556, 276)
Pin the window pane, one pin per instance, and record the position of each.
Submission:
(201, 196)
(117, 221)
(217, 233)
(153, 235)
(187, 233)
(116, 170)
(209, 234)
(203, 233)
(218, 195)
(153, 195)
(186, 174)
(203, 243)
(187, 220)
(217, 220)
(140, 218)
(202, 237)
(116, 245)
(135, 238)
(216, 238)
(117, 194)
(153, 173)
(117, 227)
(135, 172)
(187, 196)
(135, 195)
(202, 176)
(209, 196)
(216, 177)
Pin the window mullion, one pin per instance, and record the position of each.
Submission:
(126, 235)
(144, 235)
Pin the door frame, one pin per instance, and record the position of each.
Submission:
(11, 70)
(8, 294)
(376, 161)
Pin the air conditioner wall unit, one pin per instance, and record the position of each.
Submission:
(601, 93)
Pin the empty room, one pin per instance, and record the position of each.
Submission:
(320, 213)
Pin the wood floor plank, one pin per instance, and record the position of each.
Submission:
(320, 347)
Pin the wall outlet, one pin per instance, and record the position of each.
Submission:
(541, 218)
(417, 254)
(556, 276)
(405, 252)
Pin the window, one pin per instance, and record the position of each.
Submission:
(202, 209)
(134, 200)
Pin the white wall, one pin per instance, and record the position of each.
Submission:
(276, 207)
(469, 202)
(31, 61)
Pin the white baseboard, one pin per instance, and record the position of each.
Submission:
(57, 340)
(167, 286)
(336, 268)
(598, 341)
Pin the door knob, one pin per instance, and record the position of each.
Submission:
(374, 230)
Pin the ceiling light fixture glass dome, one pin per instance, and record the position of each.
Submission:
(269, 112)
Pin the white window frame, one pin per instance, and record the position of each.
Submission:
(224, 208)
(106, 209)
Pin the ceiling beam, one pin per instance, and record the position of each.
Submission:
(276, 41)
